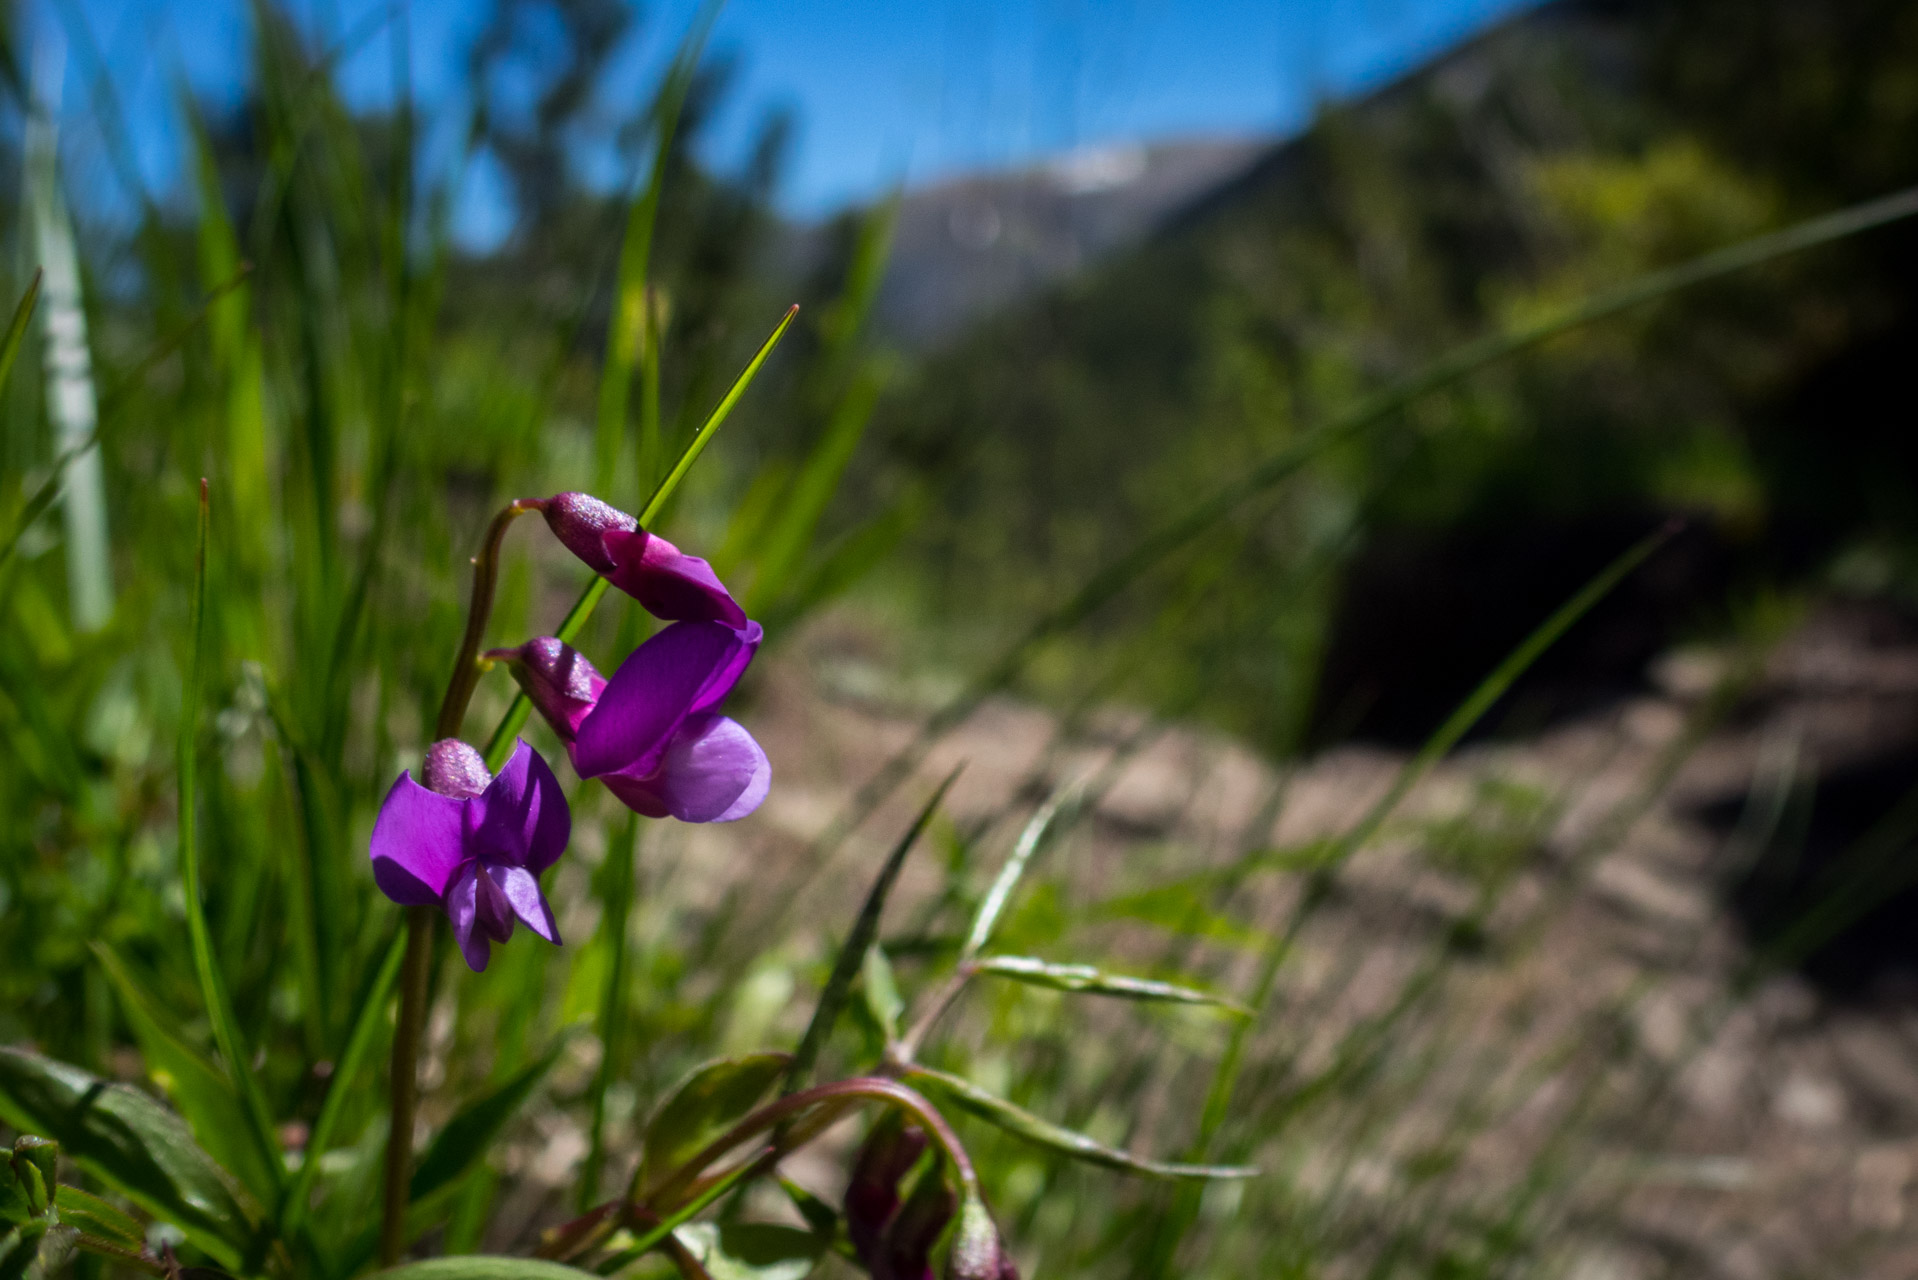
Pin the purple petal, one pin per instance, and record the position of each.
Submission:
(418, 843)
(727, 675)
(492, 910)
(686, 668)
(522, 819)
(669, 583)
(521, 889)
(712, 772)
(462, 908)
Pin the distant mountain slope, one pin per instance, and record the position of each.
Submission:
(973, 244)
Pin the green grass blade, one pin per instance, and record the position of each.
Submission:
(1225, 1077)
(616, 906)
(500, 745)
(1031, 836)
(199, 1090)
(1084, 979)
(367, 1024)
(629, 324)
(17, 327)
(213, 991)
(657, 503)
(1021, 1123)
(464, 1141)
(852, 953)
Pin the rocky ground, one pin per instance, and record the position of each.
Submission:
(1542, 932)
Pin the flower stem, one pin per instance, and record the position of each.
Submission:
(414, 971)
(466, 668)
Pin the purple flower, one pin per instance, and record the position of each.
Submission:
(473, 844)
(653, 733)
(669, 583)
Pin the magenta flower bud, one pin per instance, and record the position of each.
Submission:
(670, 584)
(895, 1239)
(872, 1193)
(473, 845)
(560, 683)
(978, 1252)
(653, 733)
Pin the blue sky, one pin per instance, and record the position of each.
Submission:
(882, 91)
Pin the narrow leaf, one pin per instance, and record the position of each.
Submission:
(134, 1145)
(213, 990)
(1022, 1123)
(700, 1108)
(367, 1024)
(986, 919)
(101, 1220)
(17, 327)
(882, 992)
(466, 1137)
(485, 1267)
(198, 1089)
(853, 953)
(1084, 979)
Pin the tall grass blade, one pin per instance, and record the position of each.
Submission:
(1456, 726)
(500, 745)
(17, 327)
(1031, 836)
(202, 1094)
(213, 990)
(616, 906)
(852, 953)
(630, 324)
(1084, 979)
(360, 1043)
(69, 371)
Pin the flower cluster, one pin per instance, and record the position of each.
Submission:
(475, 844)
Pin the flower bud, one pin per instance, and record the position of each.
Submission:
(560, 683)
(872, 1193)
(452, 768)
(581, 521)
(916, 1228)
(977, 1251)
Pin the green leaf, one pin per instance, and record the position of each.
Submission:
(485, 1267)
(881, 991)
(852, 955)
(752, 1250)
(15, 1206)
(703, 1105)
(95, 1217)
(134, 1145)
(36, 1163)
(466, 1137)
(257, 1124)
(200, 1091)
(35, 1250)
(986, 919)
(367, 1023)
(17, 327)
(821, 1217)
(1022, 1123)
(1084, 979)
